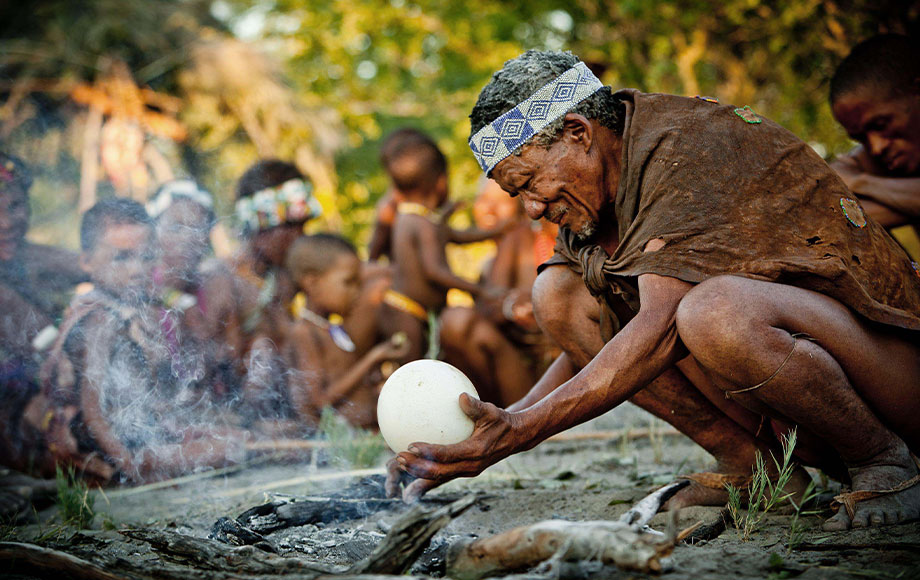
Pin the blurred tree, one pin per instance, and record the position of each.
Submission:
(387, 63)
(321, 81)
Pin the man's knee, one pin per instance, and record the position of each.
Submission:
(714, 314)
(456, 324)
(559, 297)
(567, 313)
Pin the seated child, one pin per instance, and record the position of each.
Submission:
(330, 370)
(422, 276)
(875, 96)
(198, 297)
(110, 378)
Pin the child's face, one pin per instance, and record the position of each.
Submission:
(336, 289)
(14, 220)
(889, 128)
(122, 260)
(493, 206)
(182, 233)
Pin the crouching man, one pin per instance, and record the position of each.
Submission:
(743, 290)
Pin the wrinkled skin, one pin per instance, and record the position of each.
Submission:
(737, 330)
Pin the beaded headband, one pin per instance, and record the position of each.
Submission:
(508, 132)
(178, 190)
(292, 201)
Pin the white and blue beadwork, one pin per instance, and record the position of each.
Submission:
(504, 135)
(178, 190)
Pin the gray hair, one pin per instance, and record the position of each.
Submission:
(523, 76)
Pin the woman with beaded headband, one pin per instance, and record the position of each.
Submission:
(274, 201)
(737, 299)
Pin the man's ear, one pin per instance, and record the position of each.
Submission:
(578, 129)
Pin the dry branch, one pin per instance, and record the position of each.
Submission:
(36, 559)
(409, 537)
(624, 543)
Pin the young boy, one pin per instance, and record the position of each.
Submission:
(875, 96)
(330, 371)
(111, 380)
(199, 297)
(422, 277)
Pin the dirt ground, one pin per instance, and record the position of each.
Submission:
(579, 480)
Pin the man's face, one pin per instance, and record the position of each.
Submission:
(14, 220)
(122, 260)
(563, 184)
(889, 128)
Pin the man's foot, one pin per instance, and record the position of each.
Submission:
(893, 508)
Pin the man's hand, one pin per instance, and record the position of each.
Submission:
(496, 435)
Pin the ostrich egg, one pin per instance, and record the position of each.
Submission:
(420, 402)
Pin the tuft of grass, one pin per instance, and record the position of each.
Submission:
(74, 502)
(763, 494)
(7, 529)
(796, 529)
(350, 446)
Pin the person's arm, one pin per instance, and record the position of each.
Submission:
(558, 373)
(362, 322)
(898, 195)
(379, 245)
(884, 215)
(101, 349)
(472, 235)
(641, 351)
(431, 256)
(23, 321)
(353, 378)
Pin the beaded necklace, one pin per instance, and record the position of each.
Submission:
(332, 325)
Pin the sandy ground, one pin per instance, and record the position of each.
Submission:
(575, 480)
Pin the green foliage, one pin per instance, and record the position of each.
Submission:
(763, 493)
(321, 82)
(75, 504)
(349, 446)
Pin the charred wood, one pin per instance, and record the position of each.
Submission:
(409, 537)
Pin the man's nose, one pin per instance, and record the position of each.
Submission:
(534, 208)
(877, 144)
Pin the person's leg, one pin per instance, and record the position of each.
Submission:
(569, 314)
(416, 331)
(476, 346)
(806, 359)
